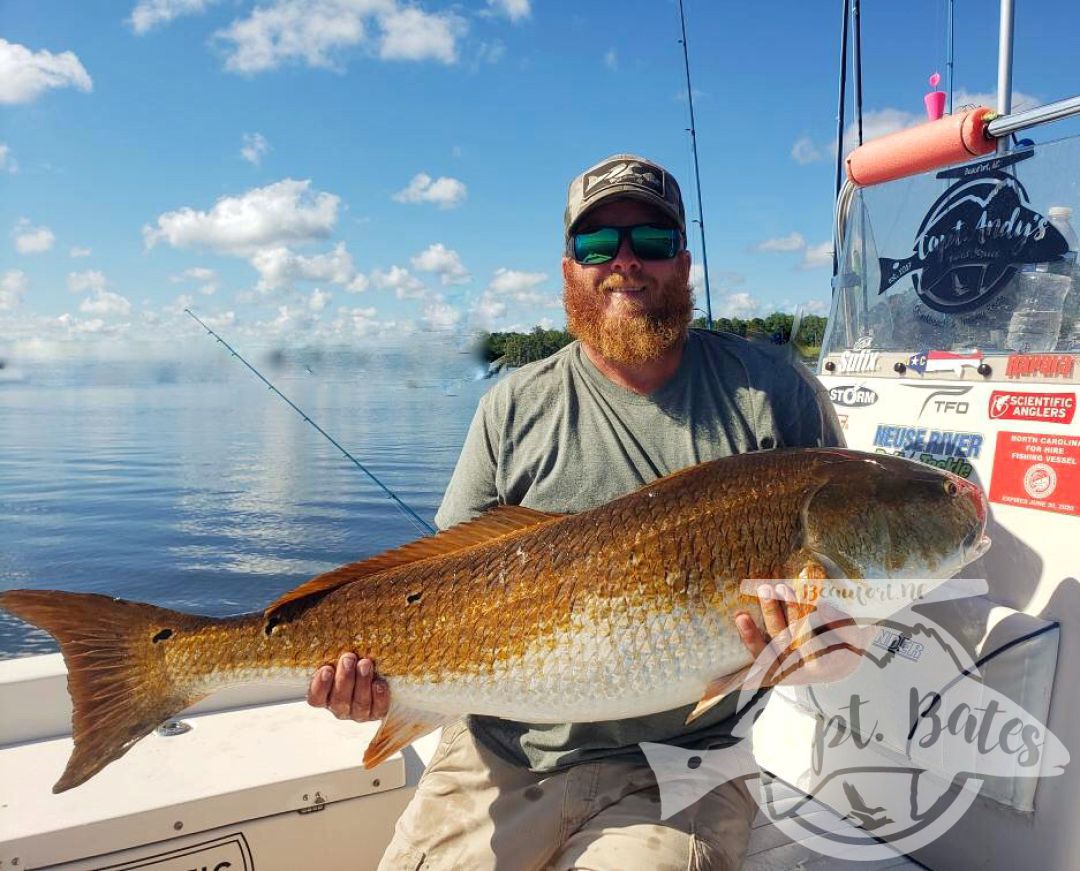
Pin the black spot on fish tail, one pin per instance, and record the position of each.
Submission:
(163, 635)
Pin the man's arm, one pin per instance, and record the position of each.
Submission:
(473, 487)
(350, 690)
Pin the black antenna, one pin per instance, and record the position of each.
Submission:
(426, 527)
(692, 130)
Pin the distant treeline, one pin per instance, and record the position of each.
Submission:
(517, 349)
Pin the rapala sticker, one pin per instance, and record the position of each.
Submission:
(942, 448)
(974, 238)
(1044, 365)
(1036, 470)
(852, 396)
(928, 362)
(1041, 407)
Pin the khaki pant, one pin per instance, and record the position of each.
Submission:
(473, 811)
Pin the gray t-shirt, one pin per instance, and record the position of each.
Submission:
(558, 436)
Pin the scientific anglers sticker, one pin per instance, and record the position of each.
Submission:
(1037, 470)
(974, 238)
(1042, 407)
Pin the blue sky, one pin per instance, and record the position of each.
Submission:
(348, 171)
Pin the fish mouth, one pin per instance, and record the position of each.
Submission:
(976, 543)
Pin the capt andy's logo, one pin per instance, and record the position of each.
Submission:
(974, 238)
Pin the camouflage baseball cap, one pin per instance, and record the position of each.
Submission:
(624, 175)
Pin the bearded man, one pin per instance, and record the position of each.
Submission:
(638, 395)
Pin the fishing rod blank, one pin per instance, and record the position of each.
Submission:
(426, 527)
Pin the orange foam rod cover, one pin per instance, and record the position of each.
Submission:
(949, 140)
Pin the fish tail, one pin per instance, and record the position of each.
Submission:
(118, 676)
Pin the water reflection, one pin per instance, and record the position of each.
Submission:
(213, 495)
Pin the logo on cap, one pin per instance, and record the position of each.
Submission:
(621, 172)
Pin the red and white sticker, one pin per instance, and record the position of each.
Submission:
(1041, 407)
(1036, 470)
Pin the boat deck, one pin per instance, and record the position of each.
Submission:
(772, 850)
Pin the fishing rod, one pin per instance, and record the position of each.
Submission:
(424, 526)
(697, 168)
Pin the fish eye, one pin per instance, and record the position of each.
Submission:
(950, 488)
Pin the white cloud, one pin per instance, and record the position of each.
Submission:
(25, 74)
(815, 306)
(30, 239)
(816, 256)
(445, 192)
(444, 262)
(307, 31)
(279, 267)
(316, 32)
(202, 274)
(100, 302)
(438, 314)
(790, 242)
(804, 151)
(409, 33)
(13, 285)
(1020, 100)
(76, 251)
(720, 279)
(736, 305)
(285, 211)
(254, 147)
(318, 300)
(149, 14)
(487, 310)
(105, 303)
(611, 59)
(515, 10)
(7, 161)
(404, 284)
(513, 281)
(357, 322)
(490, 53)
(92, 280)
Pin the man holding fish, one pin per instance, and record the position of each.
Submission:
(637, 397)
(627, 488)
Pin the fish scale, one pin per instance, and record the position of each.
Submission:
(621, 611)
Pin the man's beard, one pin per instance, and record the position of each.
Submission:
(628, 337)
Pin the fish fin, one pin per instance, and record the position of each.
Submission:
(402, 726)
(496, 523)
(118, 680)
(717, 690)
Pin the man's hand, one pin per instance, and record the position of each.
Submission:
(812, 658)
(350, 691)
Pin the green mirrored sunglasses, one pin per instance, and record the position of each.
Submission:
(646, 241)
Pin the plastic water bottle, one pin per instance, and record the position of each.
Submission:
(1070, 333)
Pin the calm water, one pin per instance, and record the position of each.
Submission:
(195, 488)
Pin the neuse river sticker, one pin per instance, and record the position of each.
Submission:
(900, 745)
(974, 238)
